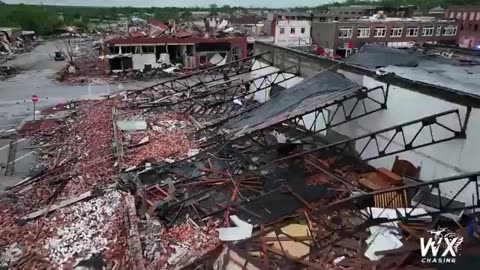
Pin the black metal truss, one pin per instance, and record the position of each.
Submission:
(332, 114)
(371, 140)
(223, 72)
(336, 113)
(200, 101)
(221, 101)
(423, 190)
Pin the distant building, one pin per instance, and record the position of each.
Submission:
(290, 29)
(192, 52)
(346, 37)
(437, 12)
(292, 33)
(252, 25)
(10, 33)
(345, 13)
(469, 18)
(200, 14)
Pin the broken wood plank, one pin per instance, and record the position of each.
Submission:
(134, 243)
(195, 122)
(347, 243)
(54, 207)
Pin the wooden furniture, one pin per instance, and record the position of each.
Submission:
(405, 168)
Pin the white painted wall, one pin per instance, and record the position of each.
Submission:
(287, 39)
(140, 60)
(263, 95)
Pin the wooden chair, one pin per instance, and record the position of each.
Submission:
(405, 168)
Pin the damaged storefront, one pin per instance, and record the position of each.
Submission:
(163, 52)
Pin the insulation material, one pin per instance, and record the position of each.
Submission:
(132, 125)
(385, 236)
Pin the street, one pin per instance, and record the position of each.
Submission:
(36, 77)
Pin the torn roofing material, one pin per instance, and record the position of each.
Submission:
(303, 97)
(376, 56)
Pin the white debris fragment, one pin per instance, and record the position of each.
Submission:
(180, 251)
(339, 259)
(86, 234)
(193, 152)
(243, 230)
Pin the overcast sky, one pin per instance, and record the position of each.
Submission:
(178, 3)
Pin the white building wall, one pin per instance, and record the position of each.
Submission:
(263, 95)
(140, 60)
(297, 39)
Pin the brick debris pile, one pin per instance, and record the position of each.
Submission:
(165, 138)
(66, 214)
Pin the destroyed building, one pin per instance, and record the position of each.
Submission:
(140, 53)
(280, 160)
(153, 44)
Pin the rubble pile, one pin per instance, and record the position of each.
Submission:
(85, 230)
(214, 27)
(33, 126)
(86, 216)
(85, 69)
(238, 188)
(7, 72)
(171, 248)
(86, 66)
(57, 108)
(164, 138)
(76, 154)
(11, 47)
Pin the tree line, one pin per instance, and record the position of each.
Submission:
(44, 19)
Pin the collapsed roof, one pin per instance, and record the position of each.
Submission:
(376, 56)
(305, 96)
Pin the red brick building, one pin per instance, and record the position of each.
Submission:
(345, 37)
(469, 18)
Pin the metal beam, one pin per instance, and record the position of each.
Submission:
(223, 99)
(389, 134)
(202, 77)
(205, 99)
(335, 113)
(430, 185)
